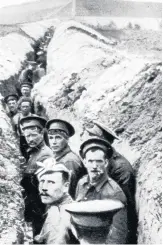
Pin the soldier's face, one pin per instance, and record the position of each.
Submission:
(12, 105)
(57, 142)
(26, 91)
(25, 108)
(33, 137)
(95, 163)
(52, 188)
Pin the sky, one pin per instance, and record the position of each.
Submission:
(5, 3)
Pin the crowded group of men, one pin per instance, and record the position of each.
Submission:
(54, 176)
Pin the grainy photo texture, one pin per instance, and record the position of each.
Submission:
(80, 122)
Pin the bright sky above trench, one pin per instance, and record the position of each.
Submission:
(5, 3)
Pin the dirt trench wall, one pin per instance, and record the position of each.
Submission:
(15, 48)
(89, 79)
(11, 204)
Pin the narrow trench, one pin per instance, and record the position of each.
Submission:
(34, 68)
(36, 63)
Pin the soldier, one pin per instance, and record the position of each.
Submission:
(59, 132)
(25, 107)
(122, 172)
(97, 185)
(11, 102)
(25, 88)
(91, 220)
(33, 129)
(54, 180)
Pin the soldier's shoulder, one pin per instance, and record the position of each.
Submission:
(115, 189)
(72, 156)
(120, 160)
(113, 183)
(83, 180)
(46, 151)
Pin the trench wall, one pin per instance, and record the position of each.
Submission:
(15, 49)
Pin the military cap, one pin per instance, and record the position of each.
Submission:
(26, 84)
(11, 97)
(59, 124)
(95, 142)
(102, 131)
(24, 99)
(49, 166)
(31, 121)
(94, 213)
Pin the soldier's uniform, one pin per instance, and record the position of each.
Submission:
(106, 188)
(56, 228)
(67, 156)
(34, 208)
(122, 172)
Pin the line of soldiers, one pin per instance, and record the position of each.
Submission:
(12, 100)
(54, 176)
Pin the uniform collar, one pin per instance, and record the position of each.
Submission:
(62, 153)
(99, 184)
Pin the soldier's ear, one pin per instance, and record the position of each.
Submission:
(106, 162)
(66, 185)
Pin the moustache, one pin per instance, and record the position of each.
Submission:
(96, 171)
(32, 142)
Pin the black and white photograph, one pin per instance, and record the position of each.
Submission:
(80, 122)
